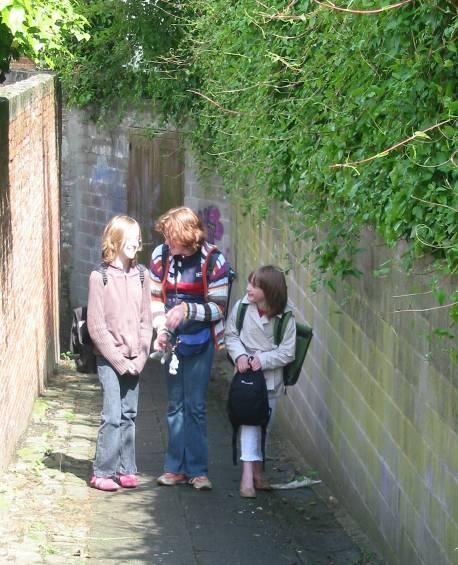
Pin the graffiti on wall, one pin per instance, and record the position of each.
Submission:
(210, 217)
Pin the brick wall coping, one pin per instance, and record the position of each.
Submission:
(20, 94)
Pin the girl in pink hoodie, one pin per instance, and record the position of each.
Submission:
(119, 323)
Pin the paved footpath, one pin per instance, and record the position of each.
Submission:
(49, 515)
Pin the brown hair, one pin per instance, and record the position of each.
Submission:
(114, 236)
(183, 226)
(271, 280)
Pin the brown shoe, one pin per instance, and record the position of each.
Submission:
(262, 484)
(171, 479)
(247, 492)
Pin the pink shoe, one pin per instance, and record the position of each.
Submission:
(103, 483)
(128, 481)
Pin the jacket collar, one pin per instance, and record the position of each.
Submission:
(246, 301)
(119, 271)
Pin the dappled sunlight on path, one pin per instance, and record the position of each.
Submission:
(50, 515)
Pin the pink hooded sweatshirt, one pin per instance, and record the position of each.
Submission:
(119, 317)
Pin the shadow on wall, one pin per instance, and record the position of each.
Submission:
(5, 208)
(48, 259)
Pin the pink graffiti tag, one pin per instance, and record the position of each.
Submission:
(210, 217)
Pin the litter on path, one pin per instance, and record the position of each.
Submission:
(296, 483)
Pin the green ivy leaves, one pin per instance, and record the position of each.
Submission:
(38, 29)
(279, 94)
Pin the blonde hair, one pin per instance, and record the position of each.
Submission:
(183, 226)
(114, 236)
(271, 280)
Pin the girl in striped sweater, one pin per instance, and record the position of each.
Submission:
(189, 285)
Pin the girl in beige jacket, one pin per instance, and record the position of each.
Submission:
(253, 347)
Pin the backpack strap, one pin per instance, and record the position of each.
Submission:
(240, 316)
(102, 269)
(165, 270)
(263, 440)
(231, 276)
(280, 326)
(235, 430)
(263, 445)
(209, 252)
(141, 272)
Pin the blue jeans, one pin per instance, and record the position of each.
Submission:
(115, 452)
(187, 450)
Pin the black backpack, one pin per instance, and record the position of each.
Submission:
(80, 341)
(304, 334)
(248, 405)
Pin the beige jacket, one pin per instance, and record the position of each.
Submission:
(256, 338)
(119, 317)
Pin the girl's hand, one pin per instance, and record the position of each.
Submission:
(160, 343)
(175, 316)
(255, 363)
(242, 364)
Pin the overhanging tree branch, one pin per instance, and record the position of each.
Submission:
(331, 6)
(416, 135)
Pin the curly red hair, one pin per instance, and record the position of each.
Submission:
(182, 226)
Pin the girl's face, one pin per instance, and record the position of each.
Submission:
(131, 243)
(255, 294)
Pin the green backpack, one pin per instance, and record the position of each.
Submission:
(304, 335)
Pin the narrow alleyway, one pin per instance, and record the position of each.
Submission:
(49, 515)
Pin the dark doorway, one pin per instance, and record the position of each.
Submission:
(155, 181)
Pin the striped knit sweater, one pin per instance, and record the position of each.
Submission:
(183, 283)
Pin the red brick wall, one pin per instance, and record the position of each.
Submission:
(29, 208)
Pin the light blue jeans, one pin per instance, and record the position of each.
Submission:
(115, 451)
(187, 450)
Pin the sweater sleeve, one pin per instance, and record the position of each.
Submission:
(146, 329)
(284, 353)
(98, 331)
(157, 303)
(218, 285)
(232, 340)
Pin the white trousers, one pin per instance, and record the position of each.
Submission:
(250, 437)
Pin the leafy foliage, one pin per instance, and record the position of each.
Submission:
(39, 29)
(348, 118)
(128, 57)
